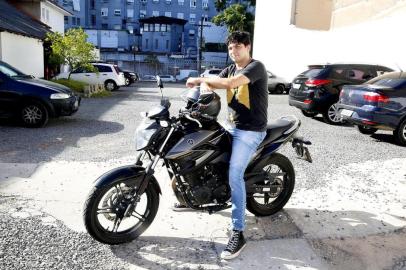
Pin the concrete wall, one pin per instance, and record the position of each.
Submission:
(313, 14)
(287, 50)
(24, 53)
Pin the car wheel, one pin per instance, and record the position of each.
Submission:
(367, 130)
(309, 114)
(400, 133)
(110, 85)
(279, 89)
(331, 115)
(34, 115)
(127, 82)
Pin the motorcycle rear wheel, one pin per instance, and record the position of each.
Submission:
(104, 208)
(281, 186)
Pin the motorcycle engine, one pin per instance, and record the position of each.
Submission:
(207, 185)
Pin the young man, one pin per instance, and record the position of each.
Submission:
(247, 97)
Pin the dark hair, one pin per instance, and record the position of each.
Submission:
(239, 37)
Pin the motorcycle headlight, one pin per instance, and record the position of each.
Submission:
(143, 134)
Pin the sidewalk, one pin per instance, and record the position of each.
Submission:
(355, 221)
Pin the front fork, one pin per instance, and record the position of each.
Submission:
(149, 171)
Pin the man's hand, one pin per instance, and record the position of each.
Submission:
(192, 82)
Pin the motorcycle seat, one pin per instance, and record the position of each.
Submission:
(276, 128)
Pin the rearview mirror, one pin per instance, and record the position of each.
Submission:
(159, 82)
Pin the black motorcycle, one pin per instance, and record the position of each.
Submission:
(195, 149)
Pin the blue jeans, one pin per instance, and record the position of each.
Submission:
(245, 144)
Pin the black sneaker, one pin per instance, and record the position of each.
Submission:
(235, 245)
(178, 207)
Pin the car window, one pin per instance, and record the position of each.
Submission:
(357, 74)
(103, 68)
(338, 73)
(78, 70)
(214, 71)
(313, 72)
(9, 70)
(390, 82)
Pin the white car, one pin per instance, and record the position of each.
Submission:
(211, 73)
(109, 75)
(167, 78)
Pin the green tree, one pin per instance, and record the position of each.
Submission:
(235, 17)
(72, 49)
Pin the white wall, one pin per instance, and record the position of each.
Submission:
(23, 53)
(287, 50)
(56, 18)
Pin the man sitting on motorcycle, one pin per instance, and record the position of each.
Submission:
(247, 98)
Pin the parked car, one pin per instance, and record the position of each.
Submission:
(110, 75)
(184, 74)
(377, 104)
(214, 72)
(32, 100)
(317, 89)
(130, 77)
(167, 78)
(277, 85)
(149, 78)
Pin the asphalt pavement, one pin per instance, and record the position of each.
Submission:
(348, 210)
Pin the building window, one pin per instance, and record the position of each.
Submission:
(73, 20)
(130, 13)
(117, 26)
(181, 2)
(143, 13)
(66, 19)
(92, 4)
(105, 26)
(47, 15)
(156, 27)
(163, 27)
(43, 13)
(168, 2)
(180, 15)
(168, 28)
(77, 21)
(146, 43)
(130, 29)
(167, 44)
(192, 18)
(93, 20)
(156, 44)
(117, 12)
(206, 18)
(155, 13)
(143, 1)
(168, 14)
(155, 1)
(104, 12)
(193, 3)
(191, 33)
(146, 26)
(205, 4)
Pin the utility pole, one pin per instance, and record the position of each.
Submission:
(199, 48)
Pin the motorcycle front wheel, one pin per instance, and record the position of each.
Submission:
(278, 186)
(105, 207)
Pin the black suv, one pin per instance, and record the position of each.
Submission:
(317, 90)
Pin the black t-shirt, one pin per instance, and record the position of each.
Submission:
(248, 103)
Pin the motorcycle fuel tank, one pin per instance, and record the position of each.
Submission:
(192, 142)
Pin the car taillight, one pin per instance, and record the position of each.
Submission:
(307, 101)
(375, 97)
(316, 82)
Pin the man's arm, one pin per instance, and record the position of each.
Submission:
(219, 83)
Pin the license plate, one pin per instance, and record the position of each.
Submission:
(345, 112)
(296, 86)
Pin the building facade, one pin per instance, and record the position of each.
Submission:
(127, 31)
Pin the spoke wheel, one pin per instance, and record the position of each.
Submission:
(106, 214)
(400, 133)
(277, 186)
(331, 115)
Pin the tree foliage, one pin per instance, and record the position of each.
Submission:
(235, 17)
(72, 49)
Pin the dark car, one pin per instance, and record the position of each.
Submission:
(378, 104)
(317, 89)
(277, 85)
(130, 77)
(31, 100)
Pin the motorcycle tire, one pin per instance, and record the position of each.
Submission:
(94, 226)
(287, 184)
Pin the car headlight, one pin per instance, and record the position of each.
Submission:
(60, 96)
